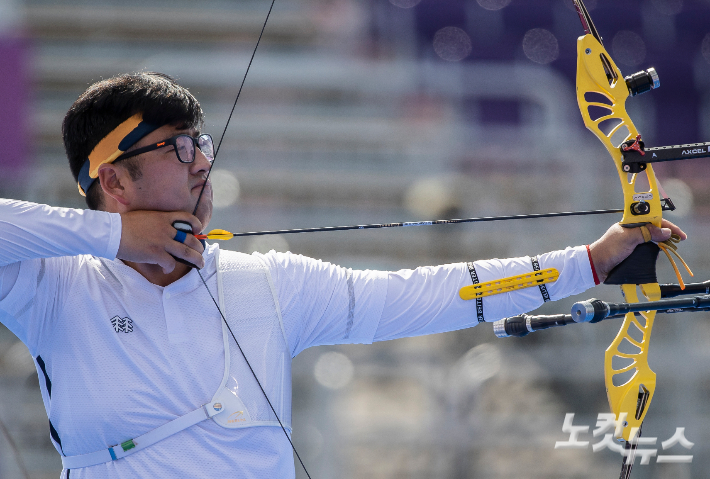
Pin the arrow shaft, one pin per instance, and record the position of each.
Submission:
(482, 219)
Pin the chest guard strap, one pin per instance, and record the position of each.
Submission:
(127, 448)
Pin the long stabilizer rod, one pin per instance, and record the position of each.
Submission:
(594, 310)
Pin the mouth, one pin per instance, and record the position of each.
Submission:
(199, 185)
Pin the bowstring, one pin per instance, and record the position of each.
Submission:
(629, 456)
(197, 204)
(234, 106)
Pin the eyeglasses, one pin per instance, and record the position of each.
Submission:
(184, 146)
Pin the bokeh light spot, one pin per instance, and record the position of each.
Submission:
(405, 3)
(541, 46)
(430, 197)
(681, 194)
(452, 44)
(225, 187)
(705, 48)
(333, 370)
(629, 48)
(493, 4)
(480, 363)
(668, 7)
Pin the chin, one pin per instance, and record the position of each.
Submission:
(204, 213)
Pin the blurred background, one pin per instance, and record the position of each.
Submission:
(363, 111)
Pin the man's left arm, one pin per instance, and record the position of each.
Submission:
(322, 303)
(426, 300)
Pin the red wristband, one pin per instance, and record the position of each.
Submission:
(591, 263)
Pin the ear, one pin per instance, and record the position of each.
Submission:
(113, 182)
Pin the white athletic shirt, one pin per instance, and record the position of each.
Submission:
(118, 356)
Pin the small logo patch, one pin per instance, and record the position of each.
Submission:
(643, 197)
(236, 417)
(124, 325)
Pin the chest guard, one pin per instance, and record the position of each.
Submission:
(248, 299)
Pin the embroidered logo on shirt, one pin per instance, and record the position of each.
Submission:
(122, 324)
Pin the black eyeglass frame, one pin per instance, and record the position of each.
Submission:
(172, 141)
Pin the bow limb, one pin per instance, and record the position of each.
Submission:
(598, 76)
(630, 401)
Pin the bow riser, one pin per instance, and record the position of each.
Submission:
(594, 67)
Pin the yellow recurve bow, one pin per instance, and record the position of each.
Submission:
(602, 88)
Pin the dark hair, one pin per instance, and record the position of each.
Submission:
(108, 103)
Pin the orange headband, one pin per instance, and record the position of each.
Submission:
(111, 147)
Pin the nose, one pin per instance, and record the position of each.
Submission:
(201, 163)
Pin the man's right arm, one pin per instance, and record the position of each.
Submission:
(31, 231)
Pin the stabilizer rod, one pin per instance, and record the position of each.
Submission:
(524, 324)
(673, 290)
(595, 310)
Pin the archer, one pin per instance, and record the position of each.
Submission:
(137, 369)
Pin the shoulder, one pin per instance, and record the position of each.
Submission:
(228, 260)
(272, 260)
(289, 261)
(65, 266)
(286, 266)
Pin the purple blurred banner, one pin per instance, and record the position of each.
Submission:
(14, 106)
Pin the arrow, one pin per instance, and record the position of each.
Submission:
(219, 234)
